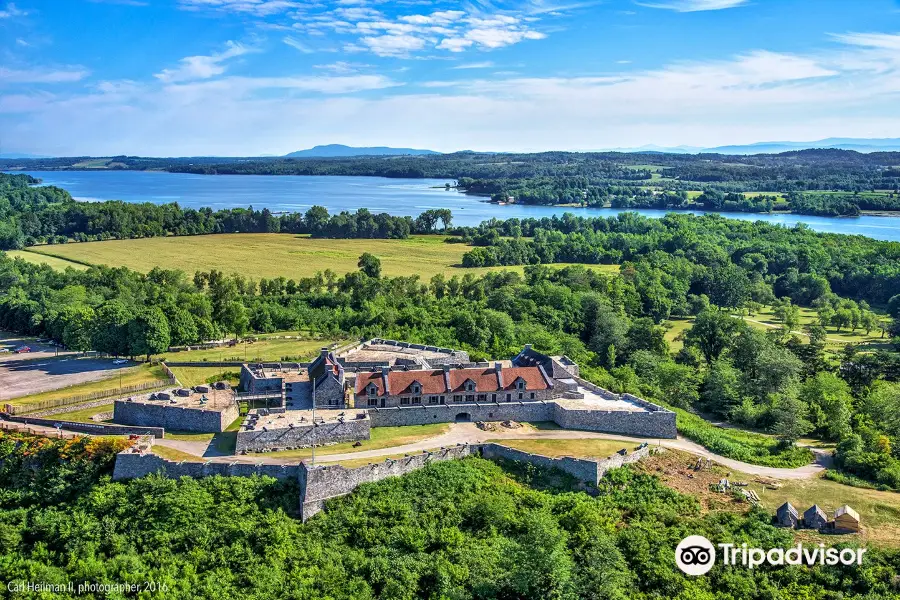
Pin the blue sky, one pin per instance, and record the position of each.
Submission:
(251, 77)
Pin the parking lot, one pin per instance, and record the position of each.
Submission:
(42, 370)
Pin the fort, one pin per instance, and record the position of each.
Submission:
(340, 396)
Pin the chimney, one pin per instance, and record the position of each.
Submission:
(323, 352)
(498, 366)
(498, 370)
(527, 347)
(446, 368)
(385, 375)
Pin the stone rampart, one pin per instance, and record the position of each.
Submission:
(301, 436)
(321, 483)
(92, 428)
(175, 417)
(580, 469)
(659, 424)
(130, 465)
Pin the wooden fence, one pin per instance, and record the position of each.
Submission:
(110, 393)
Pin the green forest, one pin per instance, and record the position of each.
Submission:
(468, 529)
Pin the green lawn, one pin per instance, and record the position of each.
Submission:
(272, 255)
(136, 375)
(193, 376)
(176, 455)
(381, 437)
(82, 415)
(263, 349)
(573, 447)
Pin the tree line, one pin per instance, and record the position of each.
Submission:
(31, 214)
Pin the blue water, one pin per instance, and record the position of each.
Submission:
(284, 193)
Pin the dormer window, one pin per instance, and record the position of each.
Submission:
(372, 390)
(416, 388)
(520, 384)
(470, 385)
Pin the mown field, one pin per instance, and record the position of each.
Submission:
(268, 255)
(264, 349)
(56, 263)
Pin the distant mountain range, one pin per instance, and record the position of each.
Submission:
(336, 150)
(863, 145)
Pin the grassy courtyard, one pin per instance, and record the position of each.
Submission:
(381, 437)
(574, 447)
(268, 255)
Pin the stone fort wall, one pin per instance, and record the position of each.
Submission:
(178, 418)
(301, 436)
(322, 483)
(133, 465)
(658, 423)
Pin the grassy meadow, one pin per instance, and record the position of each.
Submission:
(264, 349)
(268, 255)
(59, 264)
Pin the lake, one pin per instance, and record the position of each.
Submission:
(288, 193)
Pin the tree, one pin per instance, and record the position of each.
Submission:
(713, 332)
(182, 328)
(235, 319)
(722, 387)
(148, 333)
(789, 413)
(111, 328)
(370, 265)
(78, 329)
(829, 400)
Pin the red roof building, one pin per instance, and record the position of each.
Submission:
(442, 386)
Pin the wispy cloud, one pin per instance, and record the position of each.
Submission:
(886, 41)
(298, 45)
(203, 67)
(342, 67)
(11, 11)
(476, 65)
(68, 75)
(260, 8)
(694, 5)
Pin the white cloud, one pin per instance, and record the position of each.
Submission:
(203, 67)
(11, 11)
(393, 44)
(695, 5)
(342, 67)
(297, 44)
(477, 65)
(405, 34)
(886, 41)
(260, 8)
(68, 75)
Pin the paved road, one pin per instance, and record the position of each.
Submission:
(468, 433)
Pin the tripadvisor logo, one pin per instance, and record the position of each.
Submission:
(696, 555)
